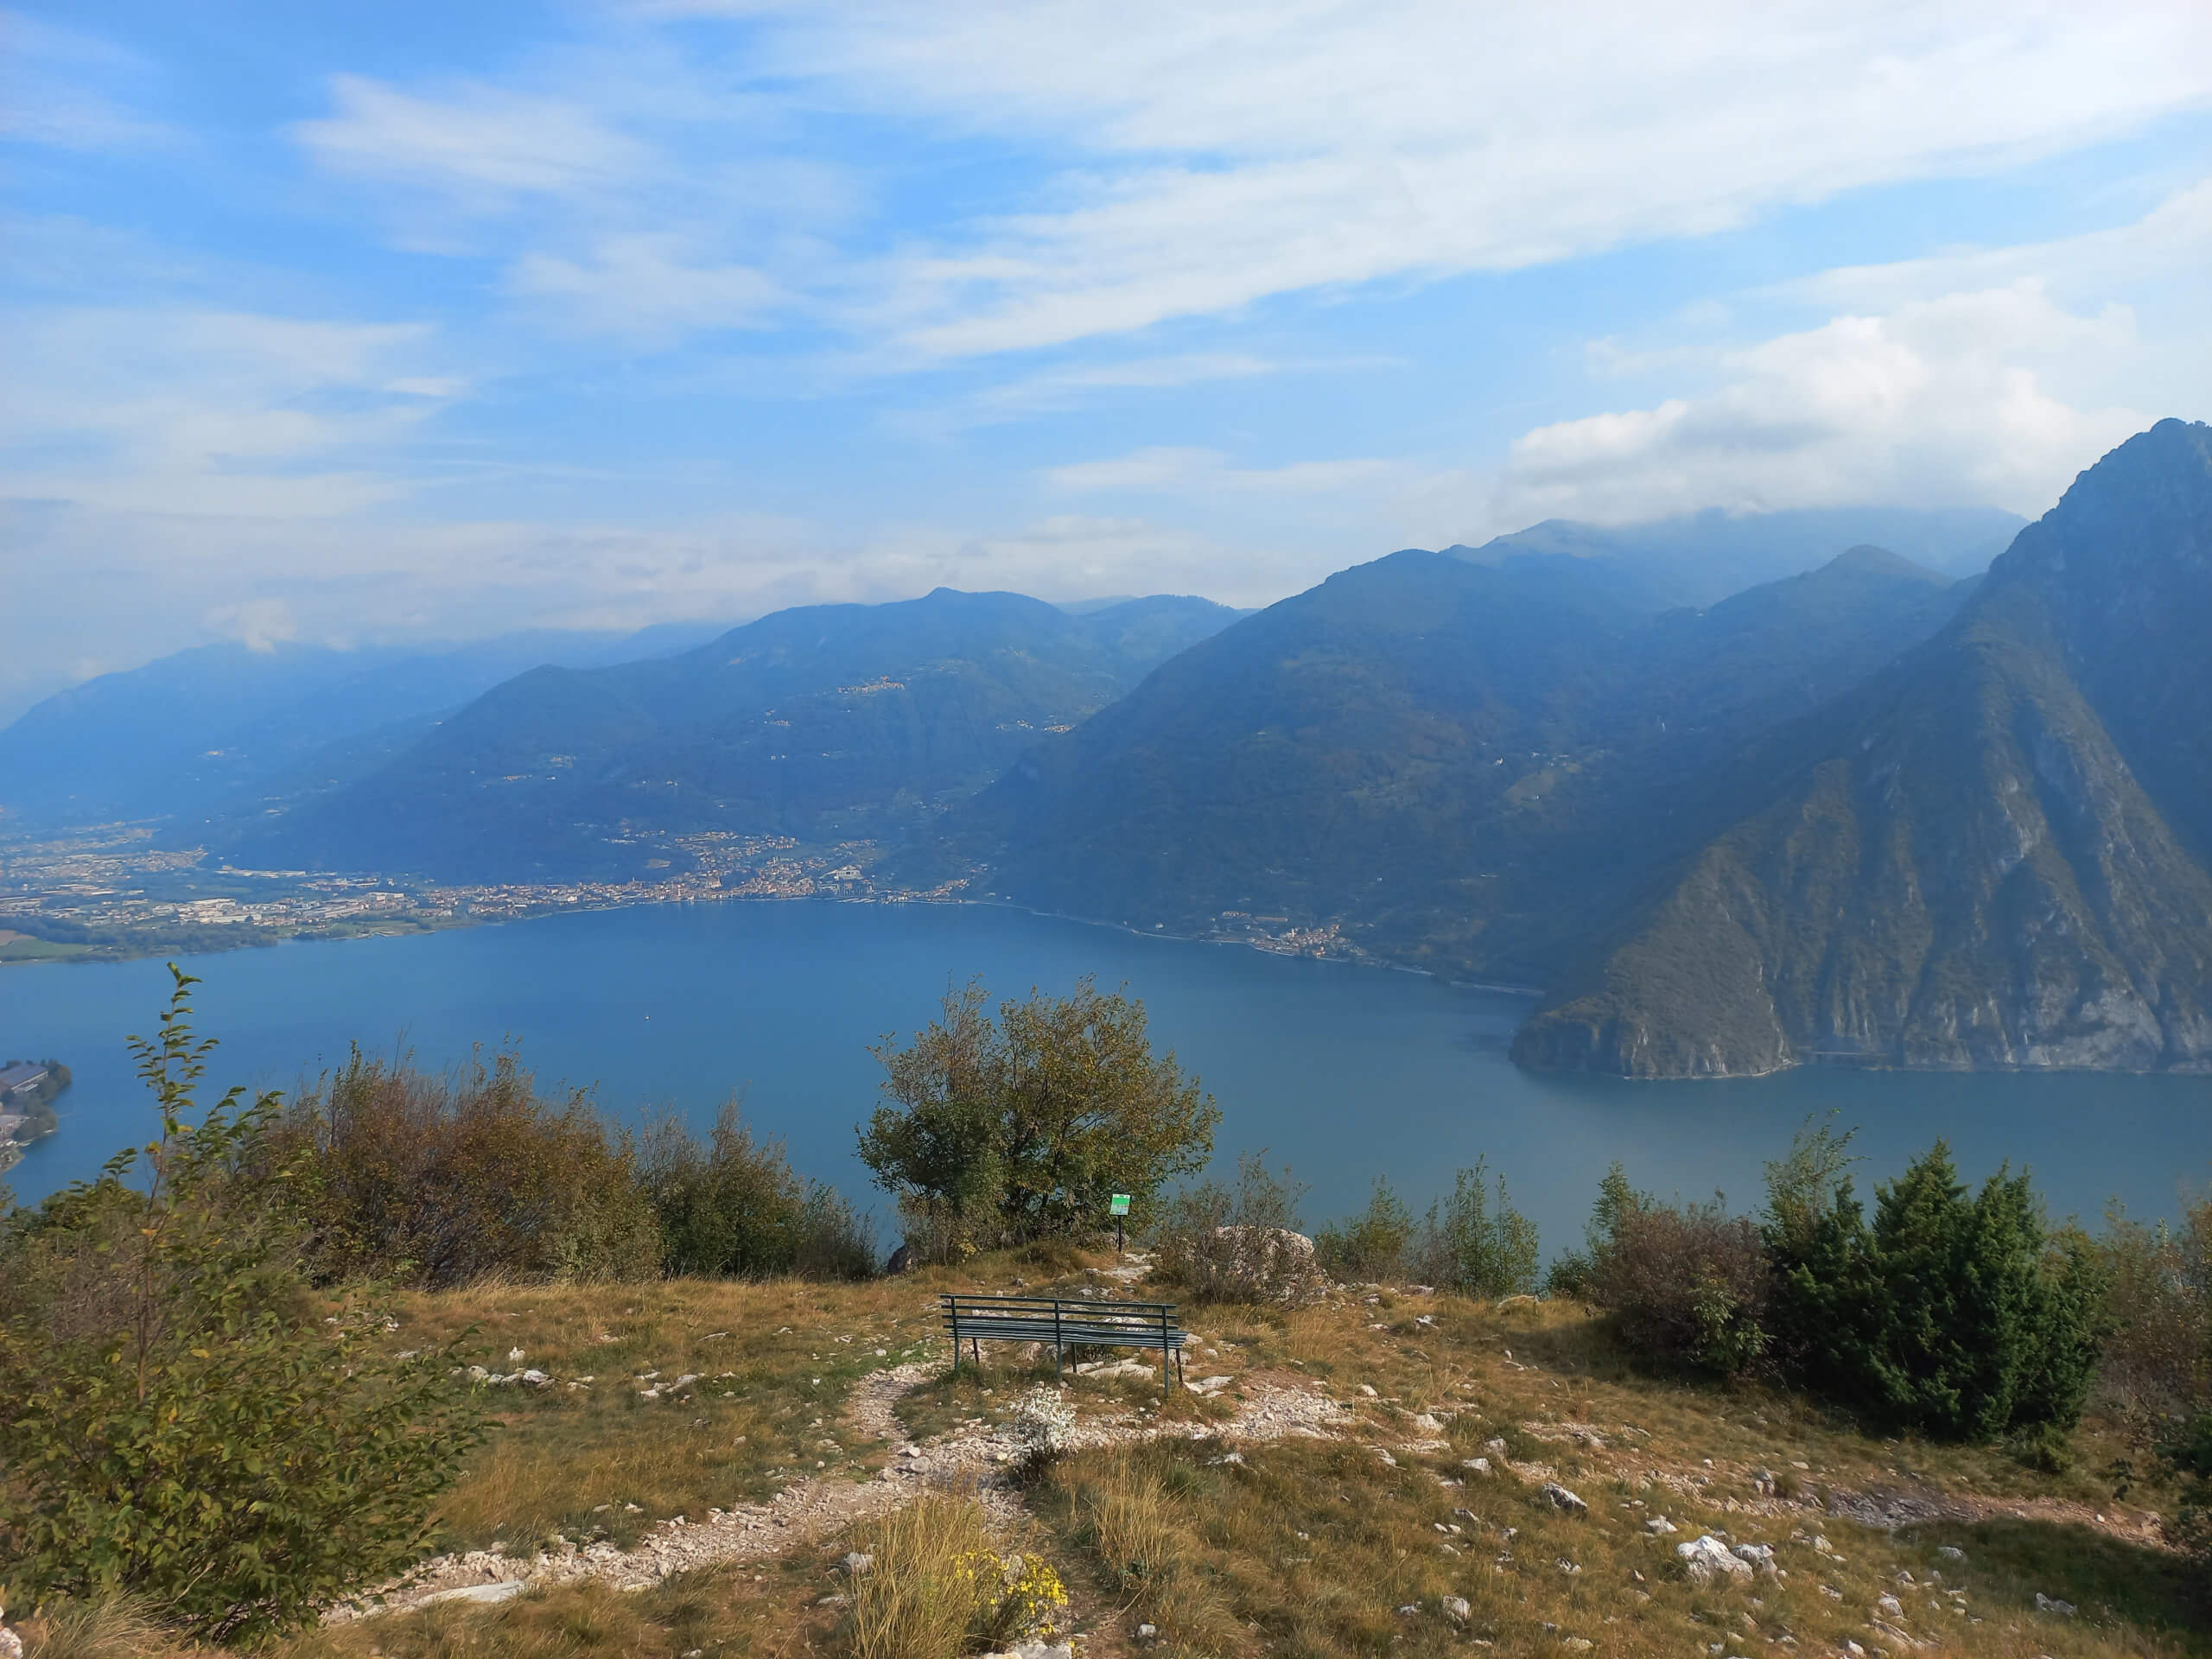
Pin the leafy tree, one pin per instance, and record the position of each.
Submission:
(2189, 1455)
(1688, 1283)
(186, 1420)
(1022, 1127)
(1575, 1272)
(1963, 1316)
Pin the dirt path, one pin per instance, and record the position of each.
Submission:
(811, 1510)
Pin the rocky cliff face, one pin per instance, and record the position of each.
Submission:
(1989, 855)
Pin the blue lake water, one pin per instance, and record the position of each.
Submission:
(1346, 1073)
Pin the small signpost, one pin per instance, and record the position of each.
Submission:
(1118, 1208)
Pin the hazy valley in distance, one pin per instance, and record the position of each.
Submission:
(1886, 804)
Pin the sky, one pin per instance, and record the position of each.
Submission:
(349, 322)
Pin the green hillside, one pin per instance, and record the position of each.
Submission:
(1982, 859)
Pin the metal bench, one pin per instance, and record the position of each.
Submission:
(978, 1319)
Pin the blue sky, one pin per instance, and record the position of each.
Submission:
(345, 323)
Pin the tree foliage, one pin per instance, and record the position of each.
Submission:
(1688, 1283)
(1370, 1245)
(186, 1419)
(1021, 1127)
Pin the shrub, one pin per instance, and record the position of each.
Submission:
(1237, 1245)
(2157, 1363)
(1475, 1244)
(1964, 1317)
(2189, 1455)
(187, 1422)
(732, 1207)
(1022, 1127)
(438, 1181)
(1575, 1273)
(1370, 1245)
(1689, 1285)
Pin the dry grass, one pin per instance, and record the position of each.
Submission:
(921, 1597)
(1305, 1546)
(776, 1363)
(106, 1629)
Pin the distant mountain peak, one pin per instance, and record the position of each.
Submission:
(1866, 559)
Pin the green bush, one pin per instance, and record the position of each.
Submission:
(733, 1207)
(1474, 1243)
(1370, 1245)
(1961, 1316)
(2157, 1365)
(1008, 1131)
(187, 1421)
(440, 1180)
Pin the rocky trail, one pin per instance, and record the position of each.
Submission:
(970, 1458)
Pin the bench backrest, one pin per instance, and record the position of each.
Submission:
(1055, 1318)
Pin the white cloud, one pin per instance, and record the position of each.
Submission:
(649, 287)
(259, 625)
(1988, 375)
(481, 146)
(1942, 401)
(1222, 154)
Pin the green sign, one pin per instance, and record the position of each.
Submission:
(1120, 1205)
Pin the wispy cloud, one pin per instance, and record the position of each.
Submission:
(67, 90)
(1182, 160)
(199, 410)
(479, 147)
(1191, 472)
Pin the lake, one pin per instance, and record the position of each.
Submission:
(1346, 1073)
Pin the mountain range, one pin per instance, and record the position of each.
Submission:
(226, 724)
(1436, 754)
(1736, 793)
(823, 723)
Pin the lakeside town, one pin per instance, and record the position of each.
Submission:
(111, 893)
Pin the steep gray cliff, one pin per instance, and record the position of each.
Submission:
(1989, 855)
